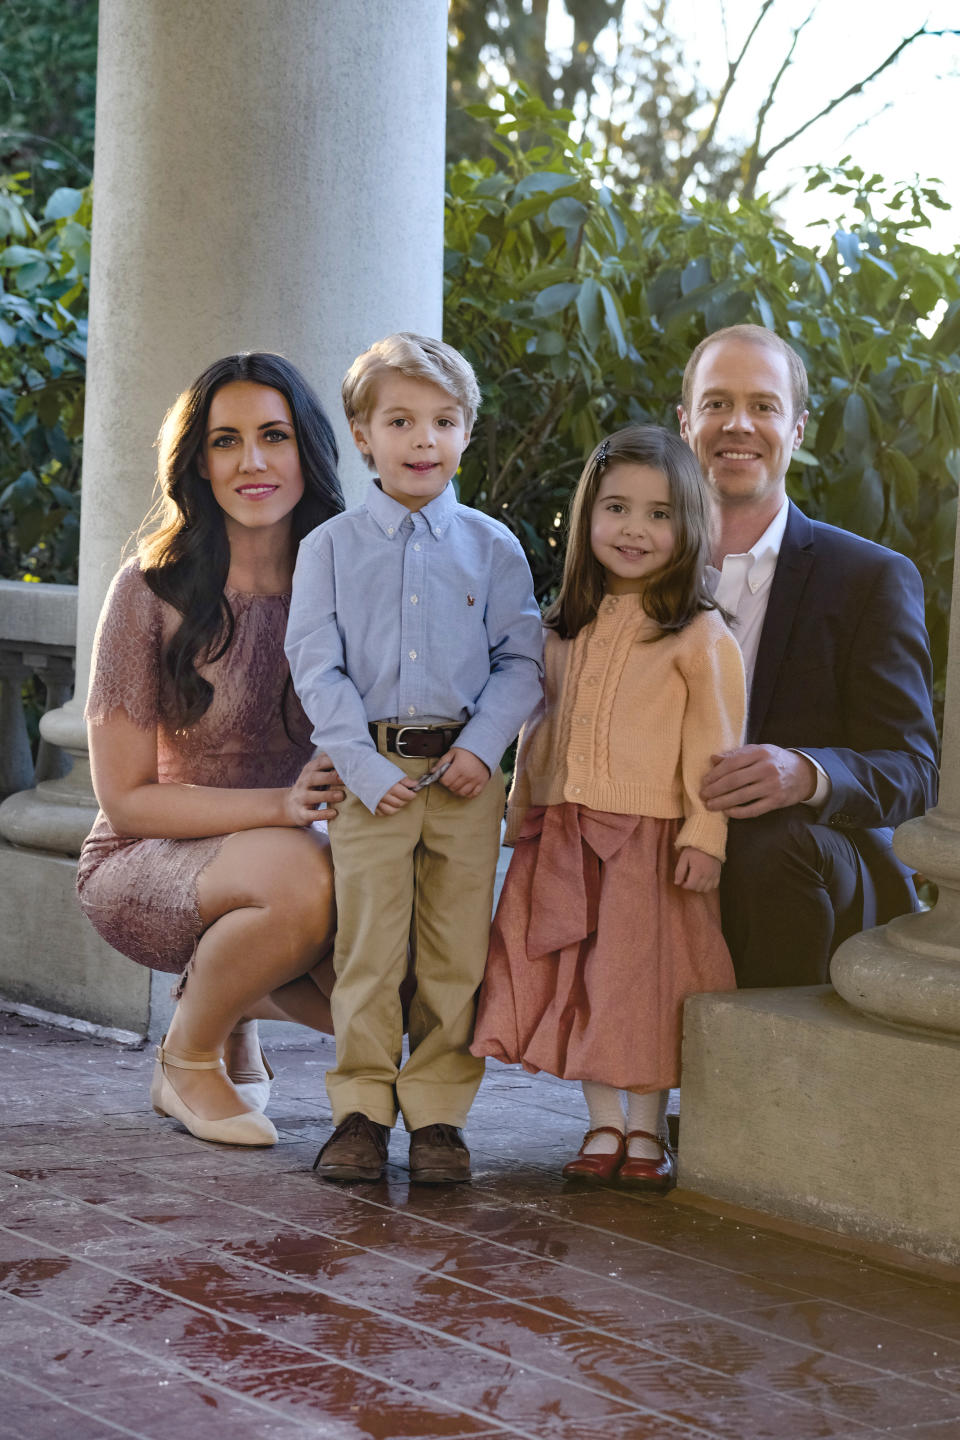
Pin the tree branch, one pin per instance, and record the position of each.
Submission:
(45, 140)
(868, 120)
(686, 167)
(764, 160)
(753, 169)
(726, 32)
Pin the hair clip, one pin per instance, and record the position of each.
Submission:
(602, 454)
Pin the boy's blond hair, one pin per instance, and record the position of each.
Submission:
(419, 357)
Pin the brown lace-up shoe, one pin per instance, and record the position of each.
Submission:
(438, 1155)
(357, 1150)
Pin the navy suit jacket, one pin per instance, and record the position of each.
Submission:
(843, 673)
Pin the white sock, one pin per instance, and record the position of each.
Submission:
(603, 1103)
(646, 1112)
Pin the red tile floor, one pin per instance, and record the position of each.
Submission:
(152, 1285)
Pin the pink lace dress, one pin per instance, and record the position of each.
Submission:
(141, 895)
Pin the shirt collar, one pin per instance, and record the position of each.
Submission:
(389, 514)
(766, 551)
(763, 554)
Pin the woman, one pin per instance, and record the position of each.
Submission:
(204, 858)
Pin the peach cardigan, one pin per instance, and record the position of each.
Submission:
(629, 727)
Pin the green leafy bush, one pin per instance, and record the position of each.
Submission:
(44, 269)
(579, 308)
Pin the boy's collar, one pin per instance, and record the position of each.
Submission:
(390, 514)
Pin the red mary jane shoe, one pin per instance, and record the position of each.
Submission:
(644, 1174)
(596, 1167)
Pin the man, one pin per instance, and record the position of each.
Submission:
(841, 740)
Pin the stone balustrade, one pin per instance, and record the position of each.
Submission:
(38, 626)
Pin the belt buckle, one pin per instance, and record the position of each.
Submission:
(398, 741)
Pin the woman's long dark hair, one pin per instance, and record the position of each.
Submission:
(677, 592)
(186, 559)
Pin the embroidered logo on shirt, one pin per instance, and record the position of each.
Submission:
(470, 600)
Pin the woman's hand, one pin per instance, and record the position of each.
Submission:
(696, 870)
(123, 758)
(318, 784)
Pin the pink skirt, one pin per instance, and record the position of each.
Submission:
(594, 950)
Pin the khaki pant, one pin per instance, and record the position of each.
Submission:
(432, 862)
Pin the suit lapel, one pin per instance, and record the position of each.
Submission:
(786, 588)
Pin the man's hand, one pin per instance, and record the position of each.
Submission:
(755, 779)
(696, 870)
(467, 774)
(396, 797)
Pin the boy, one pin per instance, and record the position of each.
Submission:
(415, 646)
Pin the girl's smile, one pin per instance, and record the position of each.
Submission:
(631, 526)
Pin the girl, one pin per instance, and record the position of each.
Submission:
(608, 917)
(202, 854)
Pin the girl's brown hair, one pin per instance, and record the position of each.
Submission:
(677, 593)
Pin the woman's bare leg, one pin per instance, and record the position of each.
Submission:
(267, 903)
(305, 1001)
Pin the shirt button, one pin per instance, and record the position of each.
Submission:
(581, 719)
(413, 599)
(417, 546)
(439, 529)
(413, 654)
(389, 529)
(581, 758)
(576, 789)
(411, 709)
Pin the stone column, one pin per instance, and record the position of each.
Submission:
(268, 175)
(908, 972)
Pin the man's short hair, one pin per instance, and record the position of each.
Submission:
(417, 356)
(756, 335)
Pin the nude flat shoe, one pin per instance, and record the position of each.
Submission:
(254, 1085)
(248, 1128)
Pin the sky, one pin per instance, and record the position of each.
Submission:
(905, 123)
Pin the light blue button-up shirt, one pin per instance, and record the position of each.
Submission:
(413, 617)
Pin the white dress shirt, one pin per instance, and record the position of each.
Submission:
(742, 587)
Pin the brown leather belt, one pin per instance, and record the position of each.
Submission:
(415, 742)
